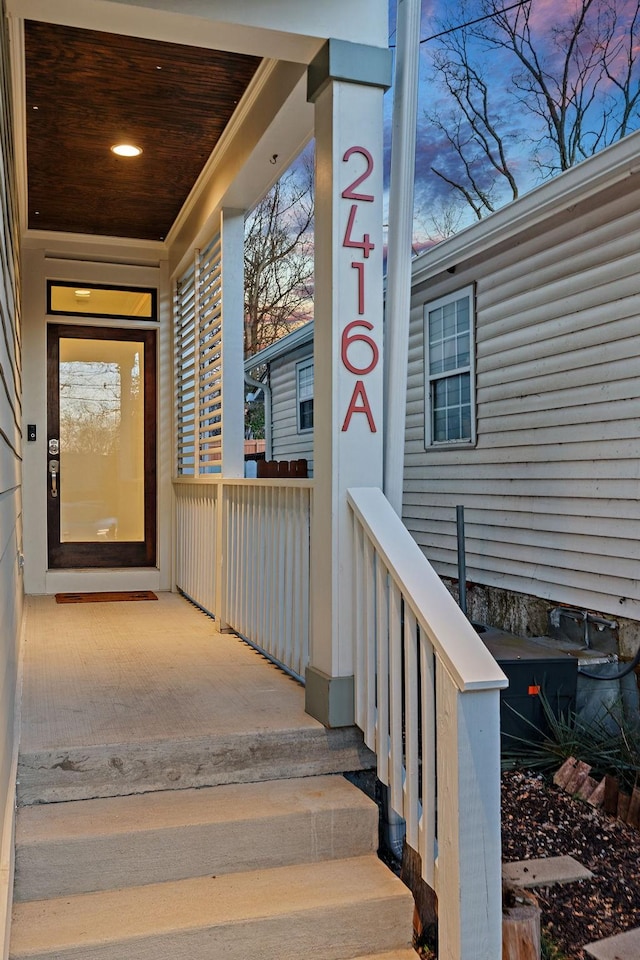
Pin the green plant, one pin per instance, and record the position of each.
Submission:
(549, 951)
(254, 419)
(426, 943)
(424, 952)
(609, 744)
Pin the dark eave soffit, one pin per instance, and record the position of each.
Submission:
(87, 90)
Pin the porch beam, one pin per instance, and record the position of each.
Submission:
(345, 84)
(274, 120)
(278, 29)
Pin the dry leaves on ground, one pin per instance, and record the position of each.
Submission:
(540, 820)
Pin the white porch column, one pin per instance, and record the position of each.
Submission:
(231, 384)
(346, 84)
(232, 255)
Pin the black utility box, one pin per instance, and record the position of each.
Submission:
(532, 666)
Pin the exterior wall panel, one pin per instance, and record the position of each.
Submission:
(551, 488)
(287, 443)
(10, 477)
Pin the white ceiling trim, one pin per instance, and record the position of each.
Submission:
(19, 99)
(171, 26)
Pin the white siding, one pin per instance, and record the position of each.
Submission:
(551, 489)
(287, 443)
(10, 476)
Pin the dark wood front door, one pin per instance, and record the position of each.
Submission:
(101, 447)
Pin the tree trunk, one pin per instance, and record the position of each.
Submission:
(520, 925)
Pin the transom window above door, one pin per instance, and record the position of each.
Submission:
(70, 299)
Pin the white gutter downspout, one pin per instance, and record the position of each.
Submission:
(266, 389)
(401, 190)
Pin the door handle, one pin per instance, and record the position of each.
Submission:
(54, 467)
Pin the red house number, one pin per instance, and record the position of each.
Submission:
(359, 402)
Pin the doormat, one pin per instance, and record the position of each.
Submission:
(114, 595)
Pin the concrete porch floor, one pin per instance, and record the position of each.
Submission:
(128, 697)
(126, 707)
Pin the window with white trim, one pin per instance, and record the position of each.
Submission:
(449, 369)
(304, 394)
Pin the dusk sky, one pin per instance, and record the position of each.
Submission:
(439, 208)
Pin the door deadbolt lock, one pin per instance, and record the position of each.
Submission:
(54, 448)
(54, 467)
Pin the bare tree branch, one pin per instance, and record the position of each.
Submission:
(472, 131)
(278, 261)
(571, 88)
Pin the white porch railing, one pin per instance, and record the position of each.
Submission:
(243, 556)
(427, 700)
(197, 523)
(426, 688)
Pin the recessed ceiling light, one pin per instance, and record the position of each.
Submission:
(126, 150)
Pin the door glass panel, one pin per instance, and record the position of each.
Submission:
(101, 440)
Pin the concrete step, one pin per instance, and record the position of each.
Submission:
(624, 946)
(330, 910)
(544, 872)
(86, 845)
(120, 769)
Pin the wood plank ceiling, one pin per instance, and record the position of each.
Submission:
(86, 91)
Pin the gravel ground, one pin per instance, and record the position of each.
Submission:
(540, 820)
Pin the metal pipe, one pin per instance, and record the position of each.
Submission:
(462, 561)
(401, 189)
(581, 616)
(625, 671)
(266, 389)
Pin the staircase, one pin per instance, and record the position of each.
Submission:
(277, 869)
(144, 859)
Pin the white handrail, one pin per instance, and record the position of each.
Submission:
(466, 657)
(427, 700)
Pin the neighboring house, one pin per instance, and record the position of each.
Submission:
(523, 400)
(286, 368)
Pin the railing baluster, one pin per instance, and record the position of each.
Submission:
(217, 584)
(268, 573)
(214, 570)
(254, 547)
(395, 698)
(369, 610)
(359, 623)
(296, 592)
(411, 725)
(288, 572)
(305, 579)
(233, 525)
(427, 848)
(279, 566)
(382, 643)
